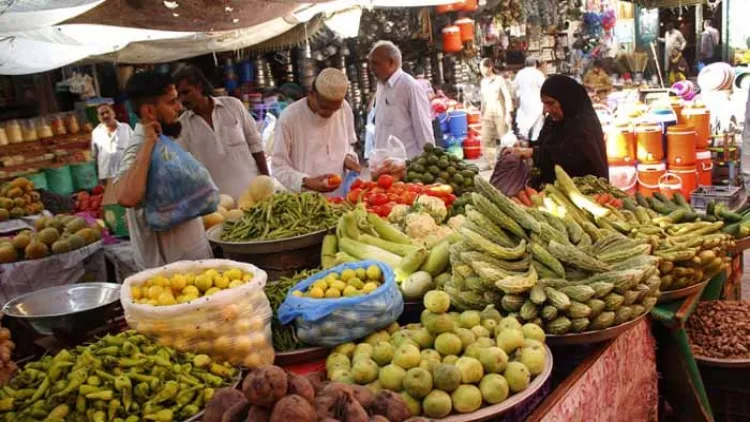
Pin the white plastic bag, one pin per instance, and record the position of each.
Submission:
(233, 324)
(388, 158)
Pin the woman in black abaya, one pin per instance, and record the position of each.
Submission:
(572, 136)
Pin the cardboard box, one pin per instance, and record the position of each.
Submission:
(114, 213)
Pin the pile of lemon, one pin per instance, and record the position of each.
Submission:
(182, 288)
(349, 283)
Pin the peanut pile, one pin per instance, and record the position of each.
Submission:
(720, 329)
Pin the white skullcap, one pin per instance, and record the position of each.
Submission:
(331, 84)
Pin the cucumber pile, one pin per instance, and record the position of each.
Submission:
(563, 273)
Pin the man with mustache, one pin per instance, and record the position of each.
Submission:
(219, 132)
(155, 101)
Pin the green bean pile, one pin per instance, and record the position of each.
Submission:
(284, 336)
(282, 216)
(125, 378)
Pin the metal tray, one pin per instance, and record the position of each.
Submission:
(293, 357)
(722, 363)
(591, 337)
(495, 410)
(673, 295)
(266, 246)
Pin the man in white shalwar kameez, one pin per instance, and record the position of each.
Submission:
(314, 136)
(527, 88)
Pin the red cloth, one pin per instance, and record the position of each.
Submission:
(620, 386)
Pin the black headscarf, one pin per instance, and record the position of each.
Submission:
(577, 142)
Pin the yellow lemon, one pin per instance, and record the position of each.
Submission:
(347, 274)
(190, 297)
(189, 279)
(374, 273)
(222, 345)
(182, 344)
(297, 293)
(211, 273)
(166, 341)
(154, 292)
(338, 285)
(356, 283)
(316, 293)
(233, 274)
(177, 282)
(161, 281)
(321, 284)
(330, 278)
(203, 282)
(136, 292)
(361, 273)
(252, 360)
(230, 312)
(247, 277)
(221, 282)
(369, 287)
(182, 299)
(212, 291)
(191, 291)
(146, 284)
(243, 326)
(166, 298)
(236, 283)
(332, 293)
(242, 345)
(207, 329)
(350, 291)
(161, 328)
(153, 302)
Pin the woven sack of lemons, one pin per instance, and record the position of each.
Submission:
(217, 307)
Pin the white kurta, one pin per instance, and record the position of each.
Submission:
(227, 149)
(527, 87)
(672, 40)
(307, 145)
(403, 110)
(108, 148)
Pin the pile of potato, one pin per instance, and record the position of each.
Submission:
(271, 394)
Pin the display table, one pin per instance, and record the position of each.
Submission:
(120, 261)
(616, 382)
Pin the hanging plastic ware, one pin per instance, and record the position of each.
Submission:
(466, 28)
(321, 322)
(179, 188)
(452, 39)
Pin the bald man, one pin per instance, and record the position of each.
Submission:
(313, 137)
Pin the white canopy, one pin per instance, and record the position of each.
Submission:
(32, 38)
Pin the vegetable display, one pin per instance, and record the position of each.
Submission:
(90, 202)
(720, 329)
(448, 363)
(284, 336)
(383, 195)
(272, 394)
(435, 165)
(124, 377)
(282, 216)
(562, 274)
(53, 235)
(182, 288)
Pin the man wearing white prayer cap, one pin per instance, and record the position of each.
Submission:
(314, 137)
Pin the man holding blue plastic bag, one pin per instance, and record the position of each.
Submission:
(313, 139)
(155, 101)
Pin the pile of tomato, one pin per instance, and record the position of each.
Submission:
(382, 195)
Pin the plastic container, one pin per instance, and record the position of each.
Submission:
(443, 121)
(472, 148)
(451, 7)
(457, 123)
(688, 178)
(700, 119)
(624, 178)
(704, 165)
(473, 117)
(13, 132)
(620, 145)
(114, 217)
(466, 27)
(71, 124)
(452, 39)
(669, 183)
(58, 126)
(39, 179)
(28, 129)
(727, 195)
(649, 176)
(59, 180)
(681, 145)
(84, 175)
(44, 129)
(649, 149)
(470, 6)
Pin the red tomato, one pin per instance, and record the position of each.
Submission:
(334, 181)
(385, 181)
(83, 196)
(98, 190)
(414, 188)
(367, 185)
(410, 197)
(397, 191)
(379, 199)
(377, 189)
(375, 210)
(392, 197)
(354, 195)
(450, 198)
(356, 184)
(399, 184)
(386, 209)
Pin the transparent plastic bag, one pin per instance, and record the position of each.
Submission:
(329, 322)
(389, 158)
(179, 188)
(232, 325)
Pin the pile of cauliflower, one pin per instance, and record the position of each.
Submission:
(423, 221)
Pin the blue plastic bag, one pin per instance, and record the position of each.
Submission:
(329, 322)
(179, 188)
(349, 178)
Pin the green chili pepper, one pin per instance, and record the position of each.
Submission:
(6, 404)
(43, 387)
(80, 404)
(85, 389)
(58, 414)
(100, 395)
(114, 406)
(164, 415)
(142, 390)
